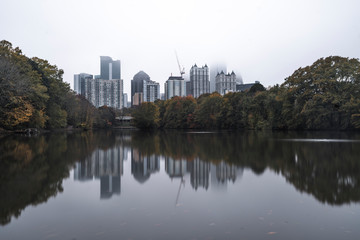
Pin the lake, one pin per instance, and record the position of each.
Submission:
(180, 185)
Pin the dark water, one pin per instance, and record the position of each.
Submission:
(180, 185)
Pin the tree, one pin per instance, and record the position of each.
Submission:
(146, 115)
(22, 96)
(208, 111)
(179, 112)
(317, 96)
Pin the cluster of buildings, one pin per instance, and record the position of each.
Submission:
(107, 88)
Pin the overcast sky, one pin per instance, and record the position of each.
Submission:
(261, 40)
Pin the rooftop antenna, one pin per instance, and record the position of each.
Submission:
(182, 71)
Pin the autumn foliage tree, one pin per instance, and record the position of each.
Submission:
(325, 95)
(34, 95)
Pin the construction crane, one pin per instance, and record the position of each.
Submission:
(178, 194)
(182, 71)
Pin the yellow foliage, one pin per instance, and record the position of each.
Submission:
(20, 114)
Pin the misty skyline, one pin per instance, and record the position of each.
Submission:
(259, 40)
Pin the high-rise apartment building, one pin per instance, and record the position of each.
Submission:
(225, 82)
(78, 78)
(151, 91)
(104, 90)
(214, 70)
(109, 69)
(143, 89)
(199, 80)
(175, 86)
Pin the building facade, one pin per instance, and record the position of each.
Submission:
(143, 89)
(109, 69)
(199, 80)
(106, 89)
(103, 92)
(175, 86)
(77, 81)
(214, 70)
(125, 100)
(225, 82)
(244, 87)
(151, 91)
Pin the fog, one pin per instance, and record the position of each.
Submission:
(260, 40)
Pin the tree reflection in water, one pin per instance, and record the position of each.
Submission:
(32, 169)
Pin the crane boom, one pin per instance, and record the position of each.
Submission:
(182, 71)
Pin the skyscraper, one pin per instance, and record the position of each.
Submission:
(214, 70)
(77, 81)
(109, 69)
(175, 86)
(199, 80)
(143, 89)
(225, 82)
(104, 91)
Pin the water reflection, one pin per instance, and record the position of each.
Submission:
(143, 165)
(32, 169)
(106, 165)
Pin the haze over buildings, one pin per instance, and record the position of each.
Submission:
(259, 40)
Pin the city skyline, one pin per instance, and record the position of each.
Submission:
(259, 40)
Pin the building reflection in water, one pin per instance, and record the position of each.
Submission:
(176, 168)
(143, 165)
(201, 171)
(106, 165)
(222, 173)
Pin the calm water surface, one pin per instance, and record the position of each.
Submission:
(180, 185)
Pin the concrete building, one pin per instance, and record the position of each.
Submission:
(125, 100)
(77, 81)
(225, 82)
(243, 87)
(199, 80)
(188, 88)
(175, 86)
(137, 99)
(151, 91)
(106, 89)
(214, 70)
(103, 92)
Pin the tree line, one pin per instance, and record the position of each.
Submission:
(34, 95)
(325, 95)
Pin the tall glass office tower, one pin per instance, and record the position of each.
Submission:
(109, 69)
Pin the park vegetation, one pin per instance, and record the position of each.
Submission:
(325, 95)
(34, 95)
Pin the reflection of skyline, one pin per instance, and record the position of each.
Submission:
(222, 173)
(142, 165)
(200, 172)
(175, 168)
(106, 165)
